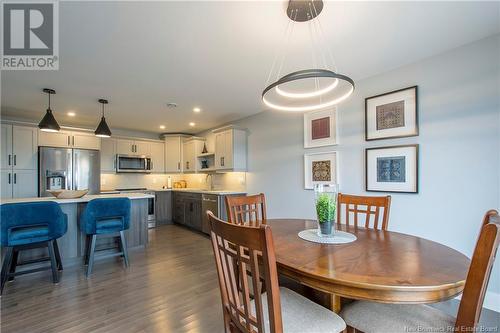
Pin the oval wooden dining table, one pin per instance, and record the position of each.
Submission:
(382, 266)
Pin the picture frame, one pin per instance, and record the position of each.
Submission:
(392, 115)
(321, 168)
(320, 128)
(392, 169)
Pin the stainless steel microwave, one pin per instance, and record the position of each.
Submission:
(133, 163)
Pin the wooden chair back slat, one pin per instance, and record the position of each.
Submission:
(378, 207)
(478, 276)
(243, 254)
(246, 209)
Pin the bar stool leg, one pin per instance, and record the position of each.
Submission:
(5, 267)
(58, 256)
(13, 264)
(123, 244)
(91, 254)
(53, 262)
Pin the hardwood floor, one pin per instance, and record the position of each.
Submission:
(169, 287)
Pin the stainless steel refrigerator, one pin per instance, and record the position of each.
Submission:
(70, 169)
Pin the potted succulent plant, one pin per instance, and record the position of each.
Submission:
(326, 208)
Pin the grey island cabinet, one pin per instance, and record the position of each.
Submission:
(72, 244)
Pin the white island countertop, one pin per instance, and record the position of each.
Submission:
(202, 191)
(85, 198)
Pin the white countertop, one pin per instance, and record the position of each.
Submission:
(85, 198)
(197, 190)
(190, 190)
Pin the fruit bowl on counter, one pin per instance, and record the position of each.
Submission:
(68, 194)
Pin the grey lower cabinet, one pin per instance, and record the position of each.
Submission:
(163, 207)
(187, 209)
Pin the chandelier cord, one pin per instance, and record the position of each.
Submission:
(276, 56)
(322, 35)
(286, 45)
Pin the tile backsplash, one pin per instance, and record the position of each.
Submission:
(231, 181)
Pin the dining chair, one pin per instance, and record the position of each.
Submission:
(376, 317)
(277, 310)
(246, 209)
(378, 207)
(31, 225)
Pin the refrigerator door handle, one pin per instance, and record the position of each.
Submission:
(69, 170)
(76, 170)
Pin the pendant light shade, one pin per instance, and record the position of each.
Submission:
(48, 122)
(316, 88)
(102, 129)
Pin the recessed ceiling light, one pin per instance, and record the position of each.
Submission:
(192, 124)
(71, 113)
(162, 126)
(197, 110)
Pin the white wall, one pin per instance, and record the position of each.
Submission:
(459, 148)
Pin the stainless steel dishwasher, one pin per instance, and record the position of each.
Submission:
(211, 202)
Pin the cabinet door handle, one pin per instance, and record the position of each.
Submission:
(68, 141)
(187, 165)
(73, 139)
(9, 178)
(15, 162)
(15, 178)
(9, 158)
(178, 165)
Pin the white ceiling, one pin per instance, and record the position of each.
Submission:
(217, 55)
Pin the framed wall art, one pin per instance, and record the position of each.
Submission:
(392, 115)
(392, 169)
(320, 168)
(320, 128)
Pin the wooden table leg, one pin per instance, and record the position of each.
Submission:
(335, 303)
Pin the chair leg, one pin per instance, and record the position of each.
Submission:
(53, 262)
(123, 243)
(6, 267)
(93, 240)
(58, 256)
(13, 264)
(87, 249)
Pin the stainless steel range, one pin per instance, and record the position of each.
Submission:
(151, 202)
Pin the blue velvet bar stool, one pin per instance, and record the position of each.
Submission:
(31, 225)
(108, 217)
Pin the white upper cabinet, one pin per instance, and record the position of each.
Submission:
(173, 153)
(125, 147)
(19, 161)
(69, 139)
(143, 148)
(85, 141)
(230, 149)
(24, 147)
(133, 147)
(158, 156)
(108, 154)
(54, 139)
(192, 147)
(6, 147)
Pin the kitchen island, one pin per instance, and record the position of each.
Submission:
(72, 244)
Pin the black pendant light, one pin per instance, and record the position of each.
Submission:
(48, 122)
(103, 130)
(317, 88)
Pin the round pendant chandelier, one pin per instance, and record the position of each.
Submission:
(312, 89)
